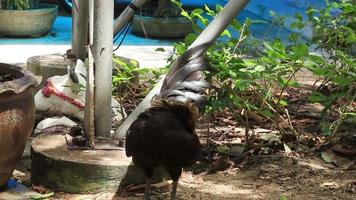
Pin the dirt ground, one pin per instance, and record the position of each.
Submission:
(258, 177)
(274, 174)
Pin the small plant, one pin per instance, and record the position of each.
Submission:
(127, 75)
(223, 150)
(250, 87)
(160, 9)
(76, 88)
(132, 83)
(19, 4)
(335, 38)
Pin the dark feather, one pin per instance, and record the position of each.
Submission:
(184, 82)
(159, 133)
(194, 86)
(164, 135)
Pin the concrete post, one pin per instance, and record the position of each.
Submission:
(79, 28)
(102, 53)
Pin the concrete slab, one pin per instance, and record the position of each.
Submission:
(76, 171)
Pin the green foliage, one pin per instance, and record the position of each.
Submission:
(160, 8)
(19, 4)
(256, 84)
(223, 150)
(76, 87)
(334, 36)
(246, 84)
(126, 74)
(42, 196)
(282, 197)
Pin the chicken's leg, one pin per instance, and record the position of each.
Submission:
(148, 189)
(174, 190)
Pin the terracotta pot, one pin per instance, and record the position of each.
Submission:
(17, 116)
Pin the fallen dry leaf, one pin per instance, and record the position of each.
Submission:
(329, 185)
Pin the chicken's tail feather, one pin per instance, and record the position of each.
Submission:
(185, 80)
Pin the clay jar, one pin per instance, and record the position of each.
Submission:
(17, 115)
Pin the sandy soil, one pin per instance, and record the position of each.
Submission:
(259, 177)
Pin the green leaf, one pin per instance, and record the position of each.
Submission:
(342, 81)
(297, 25)
(160, 49)
(286, 148)
(260, 68)
(206, 7)
(226, 33)
(180, 49)
(298, 16)
(198, 11)
(218, 8)
(351, 114)
(176, 2)
(185, 14)
(242, 84)
(317, 97)
(42, 196)
(266, 113)
(283, 103)
(325, 128)
(282, 197)
(300, 50)
(190, 38)
(326, 157)
(236, 24)
(291, 83)
(293, 37)
(248, 22)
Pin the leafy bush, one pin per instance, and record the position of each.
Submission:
(19, 4)
(254, 87)
(335, 38)
(159, 8)
(127, 73)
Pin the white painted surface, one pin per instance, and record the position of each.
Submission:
(146, 55)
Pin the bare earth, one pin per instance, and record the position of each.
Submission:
(275, 176)
(261, 177)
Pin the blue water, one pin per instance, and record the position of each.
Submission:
(256, 10)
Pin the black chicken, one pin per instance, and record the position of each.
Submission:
(164, 135)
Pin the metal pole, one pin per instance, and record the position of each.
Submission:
(209, 35)
(102, 53)
(80, 28)
(126, 15)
